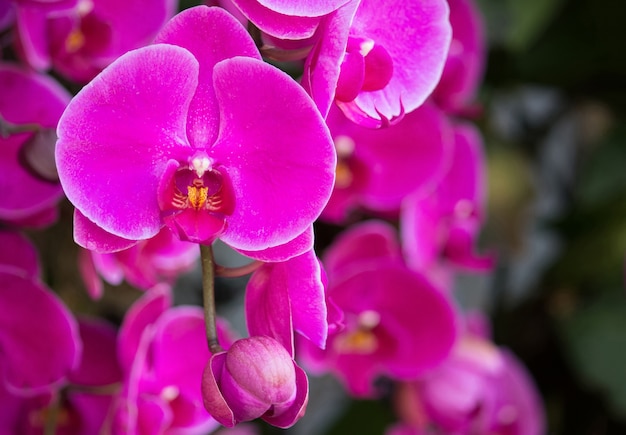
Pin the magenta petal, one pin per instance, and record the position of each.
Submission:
(368, 242)
(31, 28)
(118, 133)
(418, 53)
(351, 78)
(287, 416)
(268, 308)
(323, 65)
(179, 355)
(284, 252)
(143, 313)
(92, 237)
(41, 102)
(34, 322)
(276, 24)
(283, 170)
(99, 365)
(18, 255)
(214, 402)
(211, 35)
(307, 296)
(303, 8)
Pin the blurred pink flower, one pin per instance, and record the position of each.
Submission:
(377, 169)
(446, 223)
(463, 71)
(36, 102)
(34, 322)
(479, 389)
(80, 38)
(397, 323)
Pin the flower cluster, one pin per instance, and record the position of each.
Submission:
(179, 132)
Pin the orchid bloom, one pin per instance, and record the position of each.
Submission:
(197, 133)
(445, 223)
(481, 388)
(78, 38)
(34, 322)
(377, 169)
(396, 322)
(28, 199)
(378, 60)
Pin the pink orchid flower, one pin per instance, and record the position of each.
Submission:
(80, 38)
(82, 405)
(286, 296)
(446, 223)
(29, 102)
(34, 322)
(377, 169)
(288, 19)
(196, 133)
(378, 60)
(397, 323)
(480, 389)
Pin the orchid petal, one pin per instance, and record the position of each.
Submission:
(102, 121)
(283, 169)
(211, 35)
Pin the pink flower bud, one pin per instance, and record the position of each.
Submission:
(255, 378)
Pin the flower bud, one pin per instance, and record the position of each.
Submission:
(255, 378)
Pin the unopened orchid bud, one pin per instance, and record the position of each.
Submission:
(255, 378)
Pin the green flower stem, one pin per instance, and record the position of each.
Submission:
(208, 294)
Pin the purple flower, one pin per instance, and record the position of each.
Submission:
(480, 389)
(256, 377)
(377, 169)
(377, 60)
(397, 323)
(80, 38)
(163, 351)
(446, 222)
(37, 100)
(33, 322)
(83, 405)
(196, 133)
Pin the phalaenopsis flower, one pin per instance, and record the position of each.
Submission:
(78, 38)
(30, 108)
(377, 169)
(481, 388)
(445, 224)
(197, 133)
(397, 323)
